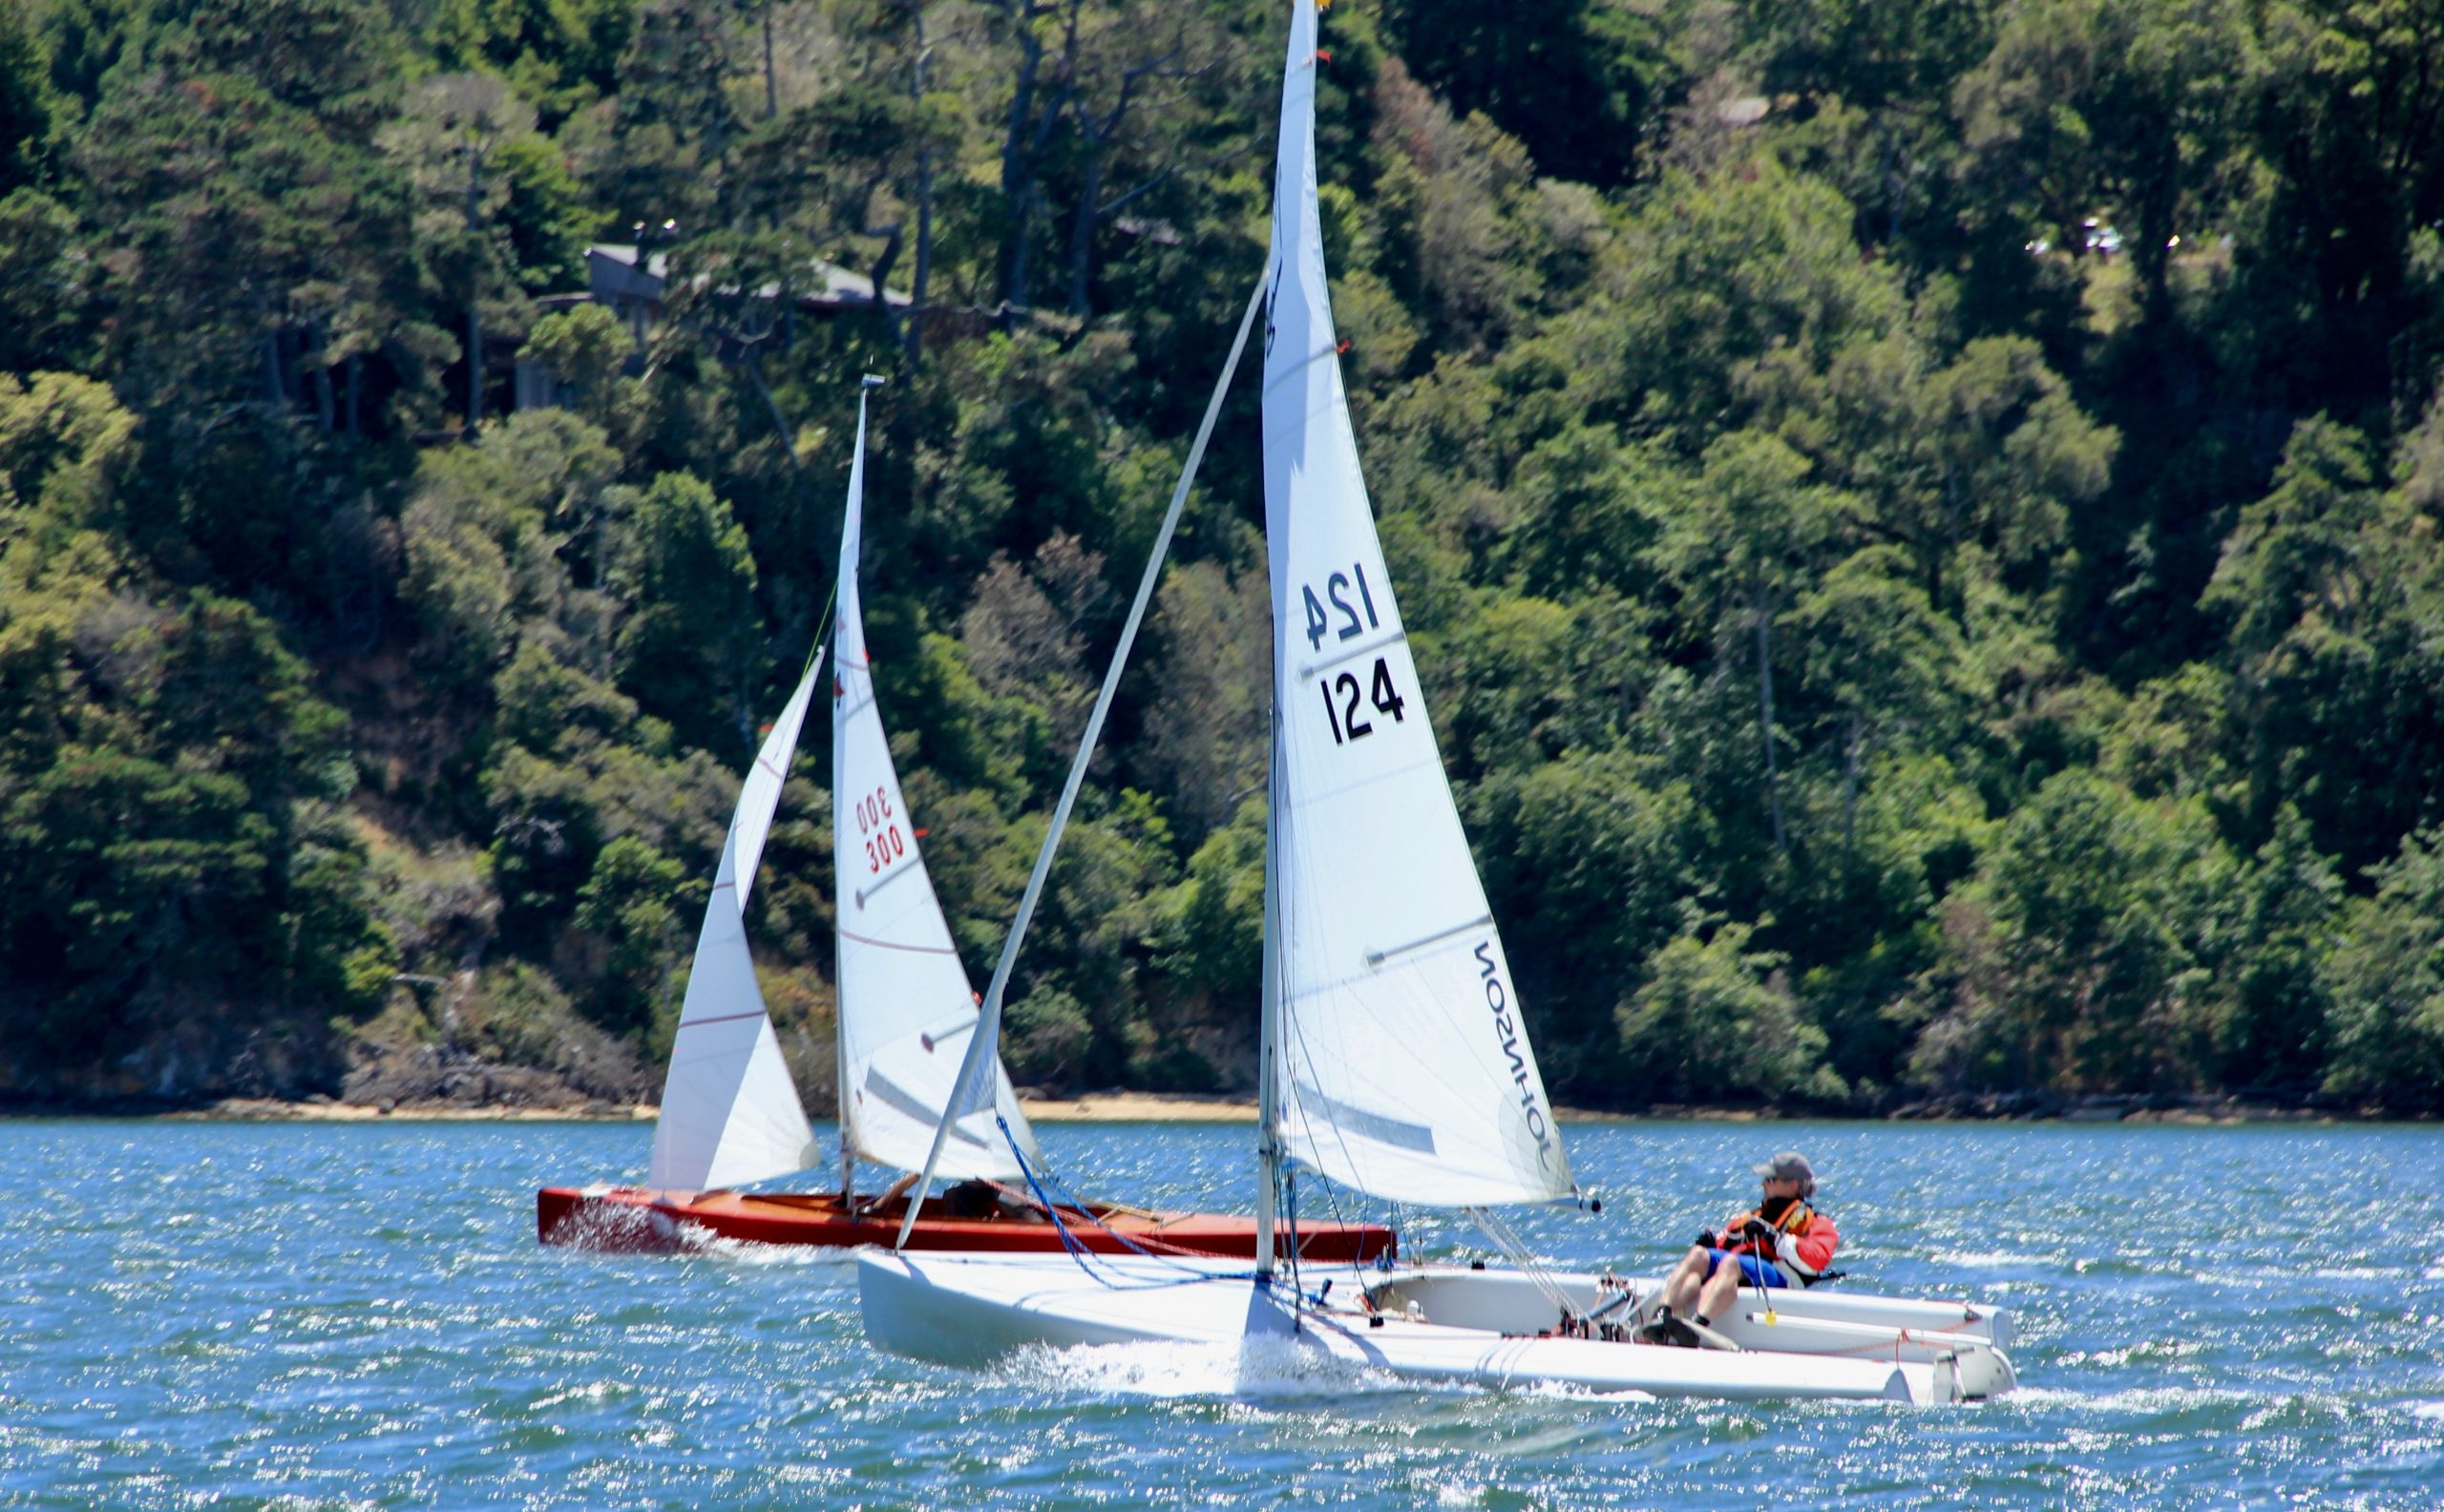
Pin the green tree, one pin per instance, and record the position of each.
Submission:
(25, 101)
(562, 53)
(1981, 458)
(628, 905)
(1879, 659)
(682, 561)
(451, 140)
(43, 286)
(1587, 861)
(2274, 1031)
(2137, 113)
(1715, 1022)
(1748, 547)
(2384, 984)
(1579, 83)
(2320, 586)
(2075, 959)
(230, 156)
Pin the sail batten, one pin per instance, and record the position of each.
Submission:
(907, 1010)
(1403, 1066)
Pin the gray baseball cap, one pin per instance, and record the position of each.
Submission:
(1789, 1164)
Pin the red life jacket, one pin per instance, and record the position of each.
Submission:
(1803, 1240)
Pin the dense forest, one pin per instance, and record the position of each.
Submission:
(1919, 521)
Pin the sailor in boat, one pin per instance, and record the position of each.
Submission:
(975, 1199)
(1780, 1238)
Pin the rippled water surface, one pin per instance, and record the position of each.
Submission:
(358, 1315)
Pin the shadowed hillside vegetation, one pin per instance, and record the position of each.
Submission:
(1920, 524)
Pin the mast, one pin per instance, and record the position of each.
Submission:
(1269, 1021)
(840, 1091)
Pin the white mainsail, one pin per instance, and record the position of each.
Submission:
(906, 1008)
(1395, 1060)
(730, 1111)
(1401, 1065)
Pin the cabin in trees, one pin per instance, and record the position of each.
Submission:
(634, 284)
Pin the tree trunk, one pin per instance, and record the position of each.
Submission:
(355, 387)
(475, 317)
(1018, 182)
(771, 88)
(474, 370)
(883, 265)
(1082, 231)
(1852, 737)
(324, 408)
(1761, 604)
(773, 408)
(920, 283)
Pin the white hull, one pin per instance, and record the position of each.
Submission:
(974, 1310)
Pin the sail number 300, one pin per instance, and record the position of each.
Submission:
(883, 842)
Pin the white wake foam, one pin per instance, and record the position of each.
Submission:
(1264, 1367)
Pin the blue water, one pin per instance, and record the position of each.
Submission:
(299, 1316)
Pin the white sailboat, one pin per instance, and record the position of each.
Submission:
(906, 1007)
(1395, 1060)
(730, 1114)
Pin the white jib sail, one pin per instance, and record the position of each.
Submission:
(906, 1008)
(730, 1111)
(1402, 1065)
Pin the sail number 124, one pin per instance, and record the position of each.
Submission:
(1342, 703)
(1337, 589)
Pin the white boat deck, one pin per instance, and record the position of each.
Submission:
(1427, 1323)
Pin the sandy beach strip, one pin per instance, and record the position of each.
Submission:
(330, 1111)
(1091, 1108)
(1140, 1107)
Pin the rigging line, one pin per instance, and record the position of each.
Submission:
(1507, 1239)
(1154, 1246)
(1306, 1053)
(1297, 881)
(1422, 1001)
(981, 1051)
(1288, 1026)
(1086, 1210)
(1085, 1258)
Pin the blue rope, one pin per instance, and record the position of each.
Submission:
(1084, 1257)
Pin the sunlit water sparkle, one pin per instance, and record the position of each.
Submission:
(357, 1315)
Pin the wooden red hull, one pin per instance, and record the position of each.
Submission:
(634, 1218)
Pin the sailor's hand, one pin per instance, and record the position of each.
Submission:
(1705, 1239)
(1758, 1229)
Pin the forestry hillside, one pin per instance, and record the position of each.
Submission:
(1921, 525)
